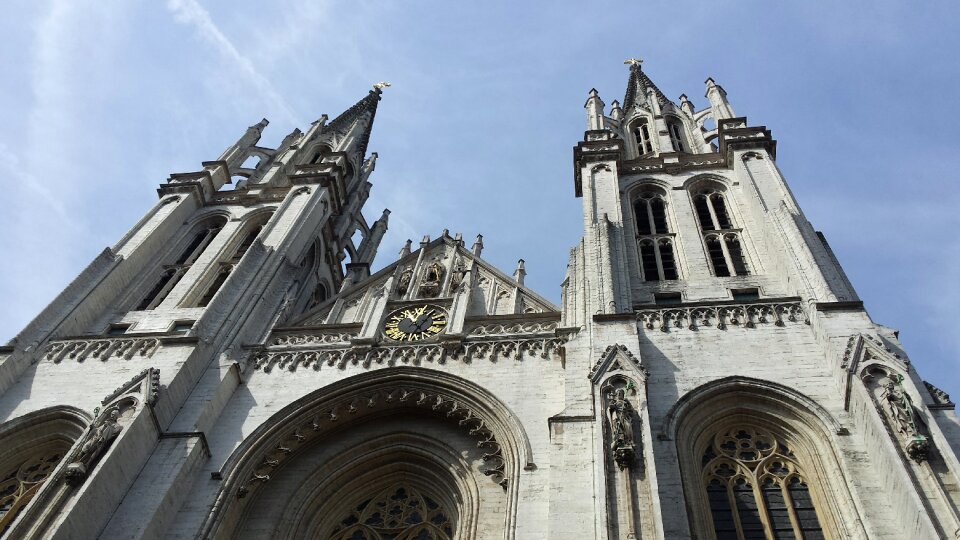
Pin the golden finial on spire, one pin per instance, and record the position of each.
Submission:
(633, 61)
(381, 85)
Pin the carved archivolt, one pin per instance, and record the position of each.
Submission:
(722, 316)
(496, 430)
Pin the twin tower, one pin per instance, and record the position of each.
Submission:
(231, 368)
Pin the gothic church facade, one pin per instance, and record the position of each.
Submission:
(231, 368)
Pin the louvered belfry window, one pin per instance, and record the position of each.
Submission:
(170, 275)
(654, 239)
(721, 238)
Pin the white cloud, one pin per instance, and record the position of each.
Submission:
(192, 13)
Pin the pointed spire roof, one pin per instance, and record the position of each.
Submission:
(637, 87)
(362, 112)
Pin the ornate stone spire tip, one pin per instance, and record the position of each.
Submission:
(634, 63)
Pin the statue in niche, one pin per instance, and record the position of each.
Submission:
(99, 437)
(430, 286)
(903, 413)
(403, 284)
(457, 277)
(620, 414)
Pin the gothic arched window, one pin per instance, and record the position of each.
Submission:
(641, 134)
(675, 130)
(756, 488)
(249, 235)
(655, 242)
(200, 237)
(720, 237)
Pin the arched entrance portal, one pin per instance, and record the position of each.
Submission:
(399, 453)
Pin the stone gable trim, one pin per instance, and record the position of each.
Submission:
(941, 399)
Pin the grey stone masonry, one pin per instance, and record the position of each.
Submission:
(232, 368)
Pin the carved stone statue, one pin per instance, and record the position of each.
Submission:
(99, 436)
(903, 413)
(457, 277)
(403, 284)
(430, 286)
(620, 415)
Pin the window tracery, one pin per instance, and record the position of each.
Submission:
(756, 488)
(226, 267)
(641, 134)
(657, 259)
(23, 480)
(720, 237)
(202, 235)
(676, 135)
(397, 513)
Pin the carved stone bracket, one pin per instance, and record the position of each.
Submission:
(101, 348)
(722, 316)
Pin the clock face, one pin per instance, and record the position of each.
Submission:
(415, 323)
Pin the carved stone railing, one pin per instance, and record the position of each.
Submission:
(469, 348)
(80, 349)
(775, 312)
(512, 328)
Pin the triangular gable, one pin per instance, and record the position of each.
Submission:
(434, 272)
(617, 359)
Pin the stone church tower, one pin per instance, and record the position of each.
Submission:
(232, 369)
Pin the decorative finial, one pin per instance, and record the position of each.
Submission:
(381, 85)
(633, 62)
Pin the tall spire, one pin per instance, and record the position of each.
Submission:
(356, 123)
(638, 86)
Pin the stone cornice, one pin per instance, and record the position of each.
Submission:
(490, 341)
(694, 316)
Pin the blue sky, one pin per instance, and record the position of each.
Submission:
(101, 101)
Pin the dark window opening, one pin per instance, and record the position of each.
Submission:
(720, 209)
(745, 295)
(666, 260)
(703, 213)
(117, 329)
(736, 255)
(160, 290)
(667, 298)
(182, 327)
(641, 210)
(245, 244)
(659, 211)
(648, 261)
(214, 287)
(676, 136)
(715, 249)
(642, 135)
